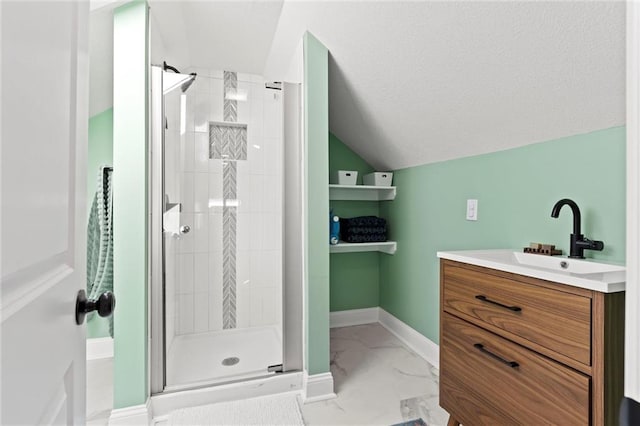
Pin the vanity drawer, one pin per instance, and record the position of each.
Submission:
(478, 384)
(553, 319)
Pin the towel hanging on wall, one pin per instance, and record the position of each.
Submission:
(100, 240)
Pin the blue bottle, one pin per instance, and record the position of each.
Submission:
(334, 229)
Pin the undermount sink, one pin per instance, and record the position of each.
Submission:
(574, 266)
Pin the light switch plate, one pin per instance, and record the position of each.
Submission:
(472, 209)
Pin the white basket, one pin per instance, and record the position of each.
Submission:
(345, 177)
(378, 179)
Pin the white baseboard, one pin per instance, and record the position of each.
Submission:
(318, 387)
(136, 415)
(407, 335)
(99, 348)
(353, 317)
(410, 337)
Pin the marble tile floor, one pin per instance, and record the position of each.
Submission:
(378, 381)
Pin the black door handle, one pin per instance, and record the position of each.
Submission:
(105, 304)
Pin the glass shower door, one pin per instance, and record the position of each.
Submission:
(222, 224)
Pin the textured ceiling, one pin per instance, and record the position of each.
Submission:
(417, 82)
(420, 82)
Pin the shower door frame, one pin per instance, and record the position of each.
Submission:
(292, 245)
(157, 351)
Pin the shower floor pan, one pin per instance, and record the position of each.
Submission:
(205, 357)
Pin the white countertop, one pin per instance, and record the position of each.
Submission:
(608, 278)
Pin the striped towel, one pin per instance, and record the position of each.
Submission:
(100, 240)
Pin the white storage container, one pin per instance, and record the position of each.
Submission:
(345, 177)
(378, 179)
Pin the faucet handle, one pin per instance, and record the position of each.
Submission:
(597, 245)
(586, 243)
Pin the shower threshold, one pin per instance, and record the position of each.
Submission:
(163, 403)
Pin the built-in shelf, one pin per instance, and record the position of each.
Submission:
(361, 192)
(388, 247)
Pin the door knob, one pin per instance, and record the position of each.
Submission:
(105, 304)
(184, 229)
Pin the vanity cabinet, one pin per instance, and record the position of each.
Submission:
(521, 350)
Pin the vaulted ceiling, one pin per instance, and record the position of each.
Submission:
(420, 82)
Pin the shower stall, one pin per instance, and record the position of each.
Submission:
(221, 308)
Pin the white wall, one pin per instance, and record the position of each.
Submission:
(100, 61)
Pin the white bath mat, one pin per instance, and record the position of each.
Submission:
(268, 410)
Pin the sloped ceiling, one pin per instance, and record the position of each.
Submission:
(420, 82)
(231, 35)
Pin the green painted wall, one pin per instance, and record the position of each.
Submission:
(341, 157)
(354, 281)
(130, 166)
(516, 190)
(354, 277)
(316, 128)
(100, 153)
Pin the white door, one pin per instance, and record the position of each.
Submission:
(44, 113)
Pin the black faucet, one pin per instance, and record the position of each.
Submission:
(578, 242)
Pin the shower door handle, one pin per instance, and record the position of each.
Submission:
(105, 304)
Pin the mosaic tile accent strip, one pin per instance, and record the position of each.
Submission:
(229, 224)
(230, 183)
(230, 106)
(228, 142)
(229, 221)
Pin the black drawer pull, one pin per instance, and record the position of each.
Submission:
(480, 347)
(511, 308)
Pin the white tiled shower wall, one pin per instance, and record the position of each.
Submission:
(172, 141)
(195, 180)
